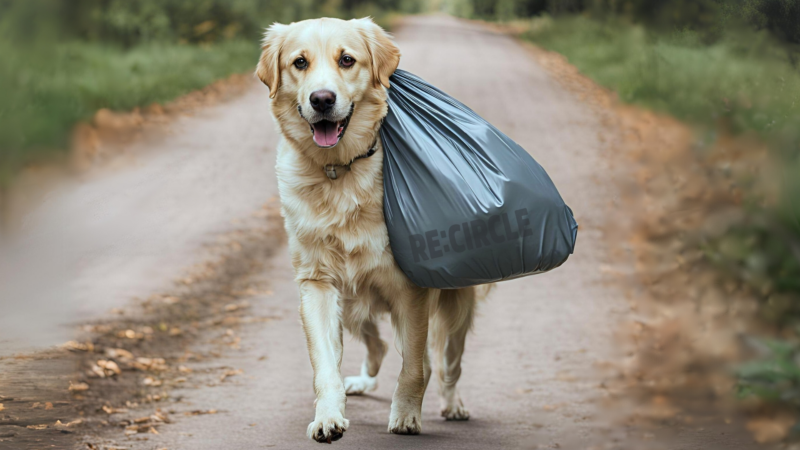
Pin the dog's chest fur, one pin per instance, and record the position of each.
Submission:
(336, 227)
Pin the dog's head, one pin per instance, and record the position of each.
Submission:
(327, 78)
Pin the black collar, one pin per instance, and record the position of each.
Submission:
(334, 170)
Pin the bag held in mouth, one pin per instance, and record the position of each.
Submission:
(463, 203)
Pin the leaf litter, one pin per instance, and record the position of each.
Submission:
(106, 392)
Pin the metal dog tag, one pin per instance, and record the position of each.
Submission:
(330, 171)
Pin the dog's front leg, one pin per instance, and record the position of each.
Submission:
(410, 321)
(320, 310)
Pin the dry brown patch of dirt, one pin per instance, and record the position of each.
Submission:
(94, 142)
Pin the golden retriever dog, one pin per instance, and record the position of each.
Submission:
(328, 81)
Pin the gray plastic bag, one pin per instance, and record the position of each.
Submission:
(464, 204)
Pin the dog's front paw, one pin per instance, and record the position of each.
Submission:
(357, 385)
(406, 420)
(328, 429)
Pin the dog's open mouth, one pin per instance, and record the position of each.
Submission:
(327, 133)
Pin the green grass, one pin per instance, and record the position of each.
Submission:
(47, 90)
(745, 80)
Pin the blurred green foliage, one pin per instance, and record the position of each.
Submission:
(65, 59)
(709, 17)
(132, 22)
(775, 376)
(744, 79)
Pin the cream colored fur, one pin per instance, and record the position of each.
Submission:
(337, 236)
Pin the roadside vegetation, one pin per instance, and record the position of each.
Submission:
(726, 67)
(64, 60)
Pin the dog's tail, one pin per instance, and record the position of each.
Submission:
(453, 314)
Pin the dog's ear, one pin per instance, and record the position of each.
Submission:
(269, 65)
(384, 54)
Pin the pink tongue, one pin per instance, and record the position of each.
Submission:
(326, 133)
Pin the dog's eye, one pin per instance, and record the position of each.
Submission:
(301, 63)
(347, 61)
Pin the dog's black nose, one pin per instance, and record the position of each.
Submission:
(322, 100)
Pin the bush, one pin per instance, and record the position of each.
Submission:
(781, 17)
(708, 17)
(130, 23)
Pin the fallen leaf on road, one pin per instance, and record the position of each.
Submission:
(110, 367)
(119, 353)
(230, 373)
(152, 431)
(2, 407)
(130, 334)
(97, 371)
(236, 306)
(110, 410)
(37, 427)
(61, 426)
(200, 412)
(78, 346)
(78, 387)
(150, 381)
(156, 398)
(160, 416)
(152, 364)
(184, 369)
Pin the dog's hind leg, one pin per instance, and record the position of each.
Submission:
(451, 322)
(320, 311)
(376, 350)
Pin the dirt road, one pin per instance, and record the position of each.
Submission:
(532, 371)
(129, 230)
